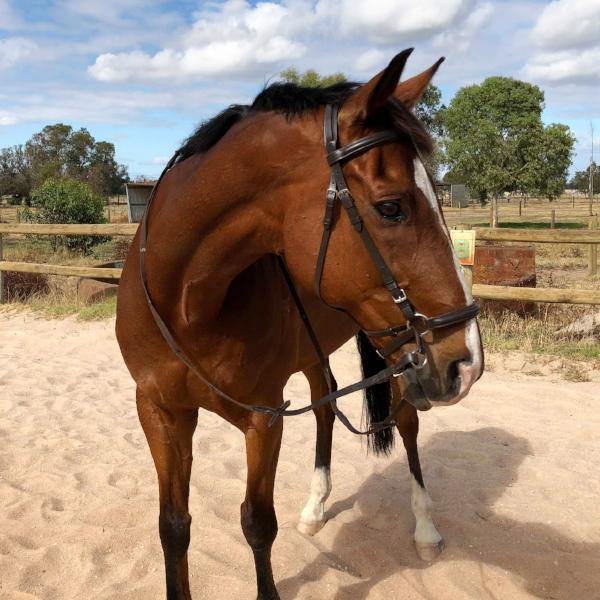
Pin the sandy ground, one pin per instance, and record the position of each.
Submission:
(514, 472)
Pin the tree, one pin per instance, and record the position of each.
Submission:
(430, 111)
(495, 140)
(59, 151)
(67, 201)
(581, 180)
(311, 78)
(104, 174)
(547, 167)
(15, 174)
(47, 152)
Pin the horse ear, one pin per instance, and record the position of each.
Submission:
(411, 90)
(374, 94)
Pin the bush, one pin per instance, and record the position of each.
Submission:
(65, 201)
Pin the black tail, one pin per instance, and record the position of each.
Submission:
(378, 397)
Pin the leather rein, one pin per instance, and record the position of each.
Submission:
(417, 324)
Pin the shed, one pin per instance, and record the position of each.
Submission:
(137, 199)
(459, 195)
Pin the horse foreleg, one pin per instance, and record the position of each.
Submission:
(259, 522)
(169, 434)
(312, 518)
(428, 541)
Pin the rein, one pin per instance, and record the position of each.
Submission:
(417, 325)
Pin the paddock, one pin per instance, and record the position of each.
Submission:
(512, 470)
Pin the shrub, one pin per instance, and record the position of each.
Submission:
(67, 201)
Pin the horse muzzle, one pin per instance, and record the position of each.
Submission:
(421, 386)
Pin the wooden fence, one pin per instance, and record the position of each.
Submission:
(489, 292)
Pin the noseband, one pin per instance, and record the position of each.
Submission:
(417, 325)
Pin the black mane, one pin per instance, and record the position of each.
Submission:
(292, 100)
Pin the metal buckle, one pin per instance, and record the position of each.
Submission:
(418, 360)
(402, 298)
(422, 320)
(422, 361)
(331, 195)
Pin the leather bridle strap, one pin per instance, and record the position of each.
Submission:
(338, 189)
(421, 325)
(417, 324)
(283, 410)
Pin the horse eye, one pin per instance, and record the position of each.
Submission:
(391, 210)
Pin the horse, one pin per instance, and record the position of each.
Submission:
(219, 304)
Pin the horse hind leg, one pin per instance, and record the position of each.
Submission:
(428, 541)
(312, 517)
(169, 434)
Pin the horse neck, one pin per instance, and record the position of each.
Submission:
(228, 214)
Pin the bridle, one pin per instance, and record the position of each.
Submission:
(416, 327)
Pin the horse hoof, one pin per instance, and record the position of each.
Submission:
(429, 552)
(310, 527)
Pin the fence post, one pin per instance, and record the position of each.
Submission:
(520, 207)
(552, 219)
(495, 212)
(1, 275)
(593, 251)
(18, 215)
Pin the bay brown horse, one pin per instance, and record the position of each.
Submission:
(249, 187)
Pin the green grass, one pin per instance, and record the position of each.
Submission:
(99, 310)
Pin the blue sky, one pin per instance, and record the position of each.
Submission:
(143, 73)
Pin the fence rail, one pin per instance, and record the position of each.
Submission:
(70, 271)
(525, 294)
(107, 229)
(487, 292)
(543, 236)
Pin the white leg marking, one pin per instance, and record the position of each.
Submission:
(313, 516)
(425, 531)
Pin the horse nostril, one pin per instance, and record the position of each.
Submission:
(453, 370)
(453, 376)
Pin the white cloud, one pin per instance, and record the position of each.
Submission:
(567, 66)
(459, 38)
(391, 20)
(70, 104)
(14, 50)
(8, 19)
(369, 60)
(236, 38)
(568, 24)
(567, 35)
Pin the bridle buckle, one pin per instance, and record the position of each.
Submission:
(420, 323)
(401, 297)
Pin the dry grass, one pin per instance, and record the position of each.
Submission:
(61, 301)
(506, 331)
(536, 210)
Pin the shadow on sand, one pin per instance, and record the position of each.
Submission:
(467, 473)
